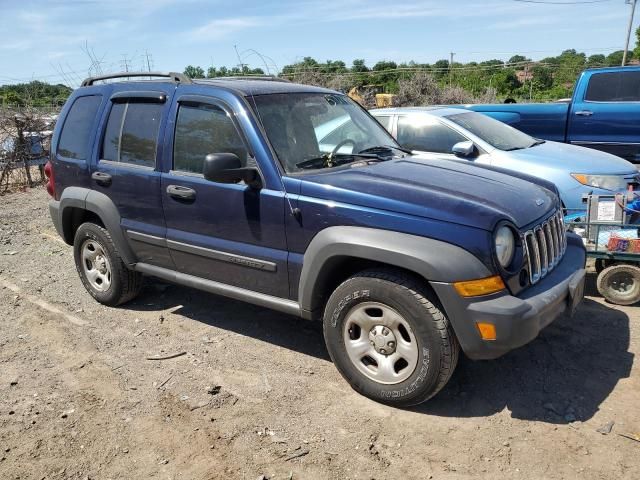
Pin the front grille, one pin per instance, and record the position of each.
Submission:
(545, 245)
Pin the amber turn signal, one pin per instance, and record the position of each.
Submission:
(487, 330)
(483, 286)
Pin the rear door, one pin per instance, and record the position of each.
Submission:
(127, 171)
(605, 114)
(228, 233)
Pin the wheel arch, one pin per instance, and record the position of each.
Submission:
(338, 252)
(79, 205)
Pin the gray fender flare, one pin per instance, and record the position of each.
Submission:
(104, 208)
(434, 260)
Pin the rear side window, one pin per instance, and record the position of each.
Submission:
(202, 129)
(74, 137)
(614, 87)
(426, 135)
(132, 133)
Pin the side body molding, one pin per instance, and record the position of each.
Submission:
(103, 207)
(434, 260)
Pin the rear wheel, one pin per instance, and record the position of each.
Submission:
(620, 284)
(102, 271)
(388, 338)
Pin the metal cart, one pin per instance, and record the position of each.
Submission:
(617, 261)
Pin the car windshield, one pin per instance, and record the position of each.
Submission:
(495, 133)
(305, 127)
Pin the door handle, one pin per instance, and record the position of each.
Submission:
(584, 113)
(102, 178)
(184, 194)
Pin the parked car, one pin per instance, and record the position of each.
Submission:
(224, 185)
(603, 114)
(442, 132)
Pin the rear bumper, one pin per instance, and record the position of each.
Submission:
(518, 320)
(54, 211)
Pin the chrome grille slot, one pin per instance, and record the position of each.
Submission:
(545, 246)
(551, 248)
(542, 245)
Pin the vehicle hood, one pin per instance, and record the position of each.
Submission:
(440, 189)
(572, 158)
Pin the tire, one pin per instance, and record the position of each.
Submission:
(620, 284)
(387, 310)
(100, 267)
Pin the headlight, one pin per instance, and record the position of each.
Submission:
(505, 245)
(606, 182)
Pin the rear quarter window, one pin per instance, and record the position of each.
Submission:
(614, 87)
(77, 128)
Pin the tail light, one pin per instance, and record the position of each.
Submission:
(48, 172)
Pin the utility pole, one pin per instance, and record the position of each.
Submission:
(125, 62)
(451, 54)
(626, 48)
(149, 60)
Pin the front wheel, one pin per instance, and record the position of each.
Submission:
(388, 338)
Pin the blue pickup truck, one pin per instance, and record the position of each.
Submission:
(604, 113)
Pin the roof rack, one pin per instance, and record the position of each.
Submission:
(174, 76)
(263, 78)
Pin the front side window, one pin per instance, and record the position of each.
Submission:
(74, 138)
(303, 127)
(132, 133)
(426, 134)
(614, 87)
(202, 129)
(495, 133)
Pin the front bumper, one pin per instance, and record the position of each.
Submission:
(518, 320)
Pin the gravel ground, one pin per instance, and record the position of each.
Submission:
(254, 392)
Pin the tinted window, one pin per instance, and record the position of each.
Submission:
(203, 129)
(132, 133)
(385, 122)
(427, 135)
(614, 87)
(74, 138)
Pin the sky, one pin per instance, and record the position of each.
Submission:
(49, 40)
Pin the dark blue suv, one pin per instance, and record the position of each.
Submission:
(294, 198)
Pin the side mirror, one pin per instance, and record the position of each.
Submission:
(464, 149)
(227, 168)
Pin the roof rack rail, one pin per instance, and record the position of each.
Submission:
(263, 78)
(174, 76)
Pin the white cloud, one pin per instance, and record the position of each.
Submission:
(222, 27)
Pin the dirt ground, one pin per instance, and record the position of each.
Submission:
(256, 394)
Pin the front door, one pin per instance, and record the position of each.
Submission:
(229, 233)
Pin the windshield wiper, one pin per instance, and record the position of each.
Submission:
(537, 142)
(386, 148)
(329, 160)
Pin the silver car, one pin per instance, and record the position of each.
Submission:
(437, 132)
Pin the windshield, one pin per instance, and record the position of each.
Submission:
(306, 126)
(495, 133)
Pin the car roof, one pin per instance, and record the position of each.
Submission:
(248, 87)
(436, 111)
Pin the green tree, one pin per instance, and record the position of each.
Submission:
(194, 72)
